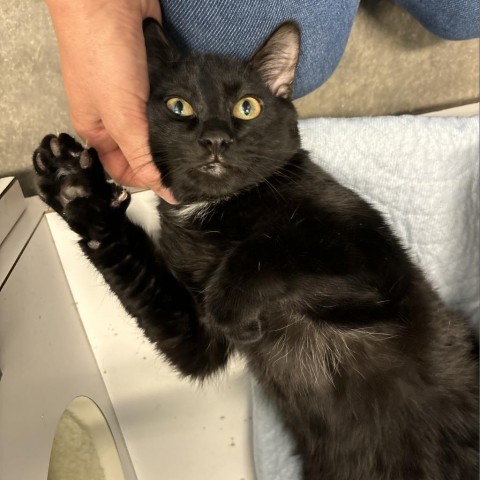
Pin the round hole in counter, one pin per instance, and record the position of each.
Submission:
(83, 446)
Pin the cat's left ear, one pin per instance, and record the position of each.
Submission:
(159, 48)
(277, 59)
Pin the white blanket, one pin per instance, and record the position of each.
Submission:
(422, 173)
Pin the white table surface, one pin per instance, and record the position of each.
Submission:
(173, 429)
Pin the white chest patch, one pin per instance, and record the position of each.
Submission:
(143, 212)
(197, 210)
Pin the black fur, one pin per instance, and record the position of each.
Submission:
(271, 257)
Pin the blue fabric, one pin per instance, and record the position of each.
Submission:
(450, 19)
(238, 28)
(422, 173)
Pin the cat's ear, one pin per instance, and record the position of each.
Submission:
(159, 48)
(277, 59)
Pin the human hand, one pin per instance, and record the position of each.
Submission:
(104, 68)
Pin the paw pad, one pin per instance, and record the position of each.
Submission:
(93, 244)
(70, 192)
(120, 199)
(85, 160)
(39, 163)
(55, 147)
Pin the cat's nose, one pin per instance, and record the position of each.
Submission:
(215, 140)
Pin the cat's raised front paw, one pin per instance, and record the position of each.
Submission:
(72, 181)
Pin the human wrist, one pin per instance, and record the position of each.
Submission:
(146, 8)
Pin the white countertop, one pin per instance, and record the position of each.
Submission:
(173, 429)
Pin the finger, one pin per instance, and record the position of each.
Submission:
(152, 10)
(140, 172)
(113, 161)
(166, 194)
(116, 165)
(143, 175)
(130, 131)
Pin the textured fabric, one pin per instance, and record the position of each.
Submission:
(239, 28)
(422, 173)
(454, 20)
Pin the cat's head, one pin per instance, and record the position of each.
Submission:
(220, 125)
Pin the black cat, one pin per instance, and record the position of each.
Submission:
(268, 255)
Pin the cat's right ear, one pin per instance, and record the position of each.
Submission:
(277, 59)
(159, 48)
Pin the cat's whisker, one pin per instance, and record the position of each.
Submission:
(285, 326)
(266, 181)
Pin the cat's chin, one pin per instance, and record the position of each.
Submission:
(214, 169)
(206, 183)
(187, 194)
(203, 197)
(207, 187)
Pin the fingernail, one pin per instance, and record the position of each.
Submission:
(166, 195)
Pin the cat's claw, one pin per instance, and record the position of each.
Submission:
(72, 181)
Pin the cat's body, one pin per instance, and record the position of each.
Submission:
(268, 255)
(364, 384)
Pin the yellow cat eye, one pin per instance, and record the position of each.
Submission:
(180, 107)
(247, 108)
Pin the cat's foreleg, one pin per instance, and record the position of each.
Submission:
(72, 181)
(261, 273)
(248, 279)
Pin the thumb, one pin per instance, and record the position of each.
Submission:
(151, 9)
(131, 163)
(116, 164)
(131, 143)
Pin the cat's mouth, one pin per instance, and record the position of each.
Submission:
(215, 166)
